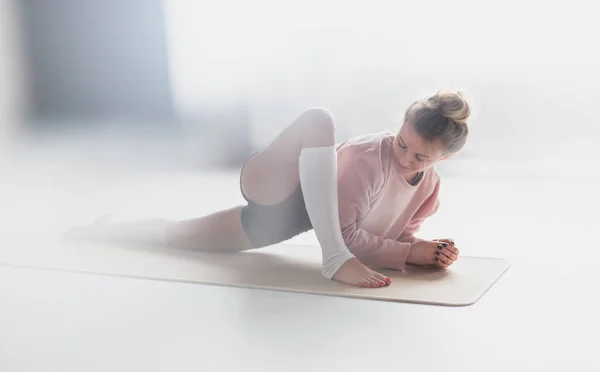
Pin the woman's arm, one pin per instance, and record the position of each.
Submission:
(427, 209)
(360, 178)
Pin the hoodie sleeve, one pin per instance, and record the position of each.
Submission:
(429, 207)
(360, 177)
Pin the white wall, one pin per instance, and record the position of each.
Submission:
(530, 67)
(12, 79)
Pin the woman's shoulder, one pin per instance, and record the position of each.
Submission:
(372, 141)
(371, 149)
(367, 155)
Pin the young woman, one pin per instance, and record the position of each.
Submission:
(365, 198)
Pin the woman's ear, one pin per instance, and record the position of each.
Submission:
(447, 156)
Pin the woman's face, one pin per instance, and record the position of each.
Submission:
(413, 153)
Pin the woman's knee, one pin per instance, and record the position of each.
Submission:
(318, 126)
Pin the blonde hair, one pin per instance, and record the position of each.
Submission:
(441, 117)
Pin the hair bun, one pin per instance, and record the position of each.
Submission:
(451, 105)
(442, 118)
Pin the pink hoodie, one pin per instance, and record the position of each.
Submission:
(379, 210)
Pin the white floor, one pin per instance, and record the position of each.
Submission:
(541, 315)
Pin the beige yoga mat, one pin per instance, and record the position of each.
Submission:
(282, 267)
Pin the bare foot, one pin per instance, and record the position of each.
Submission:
(354, 273)
(85, 232)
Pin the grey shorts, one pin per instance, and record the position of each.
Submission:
(271, 224)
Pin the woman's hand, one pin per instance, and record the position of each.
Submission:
(439, 252)
(451, 246)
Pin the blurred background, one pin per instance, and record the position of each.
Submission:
(151, 107)
(176, 84)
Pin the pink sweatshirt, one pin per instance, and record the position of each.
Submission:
(379, 210)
